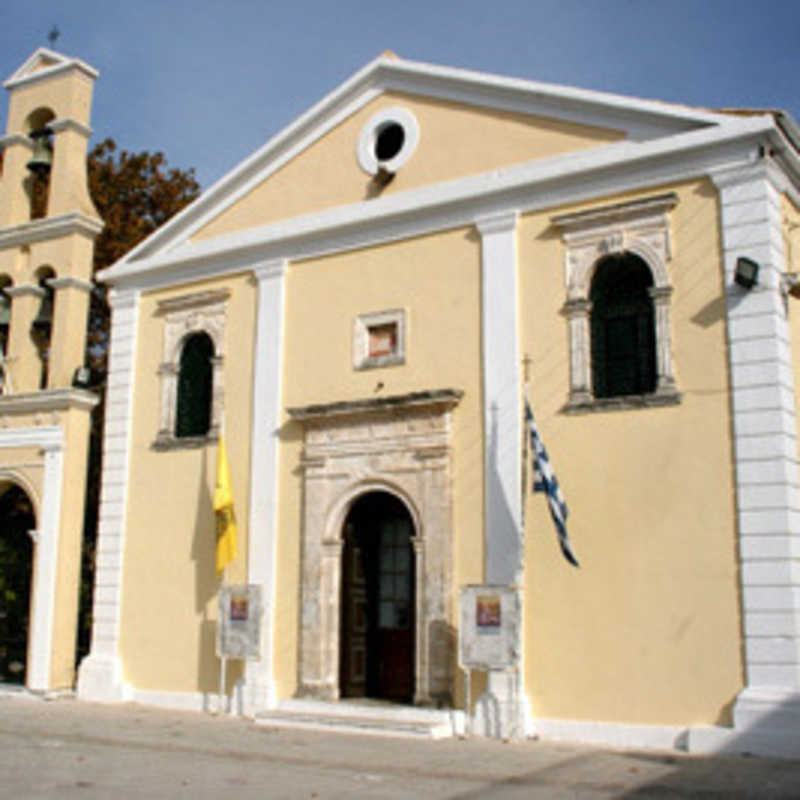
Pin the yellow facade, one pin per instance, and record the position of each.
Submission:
(655, 525)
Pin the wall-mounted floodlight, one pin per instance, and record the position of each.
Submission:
(746, 274)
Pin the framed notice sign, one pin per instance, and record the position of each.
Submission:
(488, 631)
(239, 622)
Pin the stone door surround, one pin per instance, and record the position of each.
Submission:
(401, 445)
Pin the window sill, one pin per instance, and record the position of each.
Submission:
(184, 442)
(623, 403)
(381, 361)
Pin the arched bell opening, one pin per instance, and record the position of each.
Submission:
(378, 600)
(42, 326)
(37, 184)
(5, 324)
(17, 520)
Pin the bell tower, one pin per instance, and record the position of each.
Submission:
(48, 224)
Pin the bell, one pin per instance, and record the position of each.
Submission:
(42, 157)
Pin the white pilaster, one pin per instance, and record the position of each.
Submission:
(100, 676)
(259, 677)
(501, 398)
(501, 707)
(46, 542)
(765, 431)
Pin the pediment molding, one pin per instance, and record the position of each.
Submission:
(642, 121)
(45, 63)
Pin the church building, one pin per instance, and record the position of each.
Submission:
(361, 313)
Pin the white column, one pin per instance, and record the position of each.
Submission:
(767, 498)
(100, 676)
(260, 690)
(497, 710)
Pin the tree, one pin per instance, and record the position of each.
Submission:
(134, 193)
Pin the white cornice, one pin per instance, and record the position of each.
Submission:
(67, 124)
(24, 289)
(533, 186)
(57, 64)
(16, 138)
(640, 119)
(49, 400)
(40, 230)
(607, 215)
(194, 300)
(48, 436)
(68, 282)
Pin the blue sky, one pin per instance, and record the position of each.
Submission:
(207, 82)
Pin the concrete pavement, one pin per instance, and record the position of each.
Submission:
(69, 749)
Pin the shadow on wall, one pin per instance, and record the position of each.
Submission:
(504, 553)
(206, 582)
(441, 661)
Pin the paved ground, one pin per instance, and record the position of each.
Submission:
(69, 749)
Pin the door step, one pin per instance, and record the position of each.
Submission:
(378, 719)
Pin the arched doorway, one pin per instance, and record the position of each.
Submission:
(378, 630)
(16, 561)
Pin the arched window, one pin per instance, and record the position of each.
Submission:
(622, 327)
(195, 386)
(618, 305)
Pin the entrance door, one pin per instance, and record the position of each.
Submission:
(16, 558)
(378, 625)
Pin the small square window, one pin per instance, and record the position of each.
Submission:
(379, 339)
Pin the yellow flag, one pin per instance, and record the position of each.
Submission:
(223, 509)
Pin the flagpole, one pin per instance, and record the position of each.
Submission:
(526, 364)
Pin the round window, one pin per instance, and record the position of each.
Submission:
(388, 140)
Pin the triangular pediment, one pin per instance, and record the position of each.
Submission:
(46, 63)
(475, 130)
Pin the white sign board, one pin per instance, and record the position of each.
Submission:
(488, 633)
(239, 622)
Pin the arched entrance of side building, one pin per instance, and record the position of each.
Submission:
(17, 519)
(377, 638)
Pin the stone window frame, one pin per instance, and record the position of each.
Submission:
(184, 316)
(361, 328)
(640, 227)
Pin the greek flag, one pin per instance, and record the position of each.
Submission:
(545, 481)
